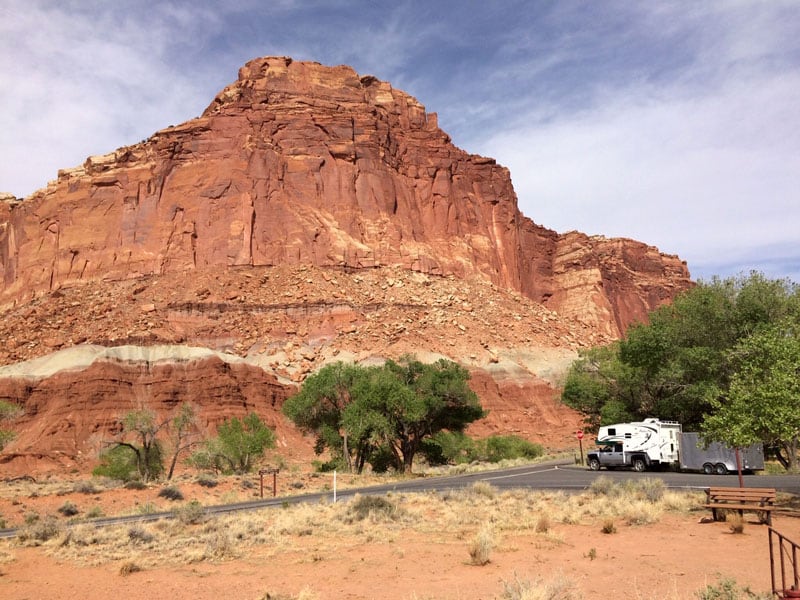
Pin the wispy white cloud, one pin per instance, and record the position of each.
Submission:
(703, 162)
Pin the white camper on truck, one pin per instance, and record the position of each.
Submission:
(653, 444)
(640, 445)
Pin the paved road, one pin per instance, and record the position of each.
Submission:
(555, 475)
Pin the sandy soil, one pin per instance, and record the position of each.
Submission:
(673, 558)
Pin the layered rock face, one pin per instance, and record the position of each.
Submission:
(297, 163)
(309, 215)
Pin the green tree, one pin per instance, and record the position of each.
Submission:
(762, 402)
(319, 407)
(8, 411)
(364, 414)
(672, 366)
(440, 400)
(183, 433)
(238, 444)
(139, 434)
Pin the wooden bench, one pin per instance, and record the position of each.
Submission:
(757, 500)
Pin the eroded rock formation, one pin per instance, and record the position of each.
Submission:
(308, 215)
(297, 163)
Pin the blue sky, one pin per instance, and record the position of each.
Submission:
(674, 123)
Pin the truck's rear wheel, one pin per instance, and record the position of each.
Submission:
(594, 464)
(708, 469)
(638, 465)
(721, 469)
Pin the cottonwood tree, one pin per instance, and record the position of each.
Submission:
(762, 403)
(183, 433)
(143, 436)
(8, 411)
(673, 365)
(440, 400)
(139, 433)
(364, 414)
(237, 446)
(319, 407)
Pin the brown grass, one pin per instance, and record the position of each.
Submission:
(478, 515)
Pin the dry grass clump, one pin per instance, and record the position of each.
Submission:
(735, 522)
(170, 492)
(305, 594)
(129, 567)
(557, 588)
(482, 545)
(483, 488)
(375, 508)
(137, 534)
(609, 526)
(543, 523)
(191, 513)
(38, 531)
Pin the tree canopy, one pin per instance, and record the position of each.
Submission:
(8, 411)
(382, 414)
(237, 446)
(701, 360)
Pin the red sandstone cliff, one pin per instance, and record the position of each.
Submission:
(297, 163)
(308, 215)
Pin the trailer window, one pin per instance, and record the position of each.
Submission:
(612, 431)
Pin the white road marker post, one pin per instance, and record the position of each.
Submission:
(334, 486)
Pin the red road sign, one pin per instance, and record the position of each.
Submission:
(579, 434)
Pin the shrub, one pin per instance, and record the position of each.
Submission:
(117, 463)
(727, 589)
(138, 534)
(191, 513)
(40, 530)
(735, 521)
(609, 526)
(170, 493)
(148, 508)
(94, 512)
(502, 447)
(84, 487)
(482, 546)
(603, 486)
(129, 567)
(135, 484)
(558, 588)
(207, 481)
(362, 507)
(652, 488)
(447, 447)
(68, 509)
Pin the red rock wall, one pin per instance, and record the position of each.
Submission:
(68, 417)
(299, 163)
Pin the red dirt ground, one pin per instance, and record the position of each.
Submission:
(671, 559)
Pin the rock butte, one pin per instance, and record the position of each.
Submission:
(307, 215)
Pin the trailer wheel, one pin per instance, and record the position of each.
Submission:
(720, 469)
(594, 464)
(708, 469)
(638, 465)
